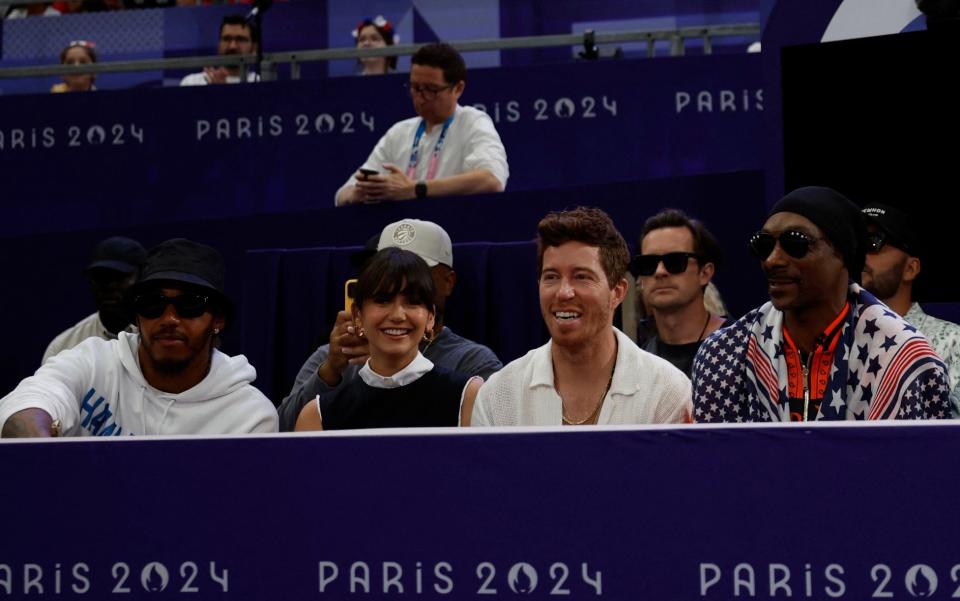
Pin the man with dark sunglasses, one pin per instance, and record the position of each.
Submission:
(446, 150)
(168, 379)
(678, 258)
(892, 266)
(822, 348)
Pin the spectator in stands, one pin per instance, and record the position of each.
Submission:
(397, 386)
(822, 348)
(116, 263)
(87, 6)
(589, 372)
(446, 150)
(678, 258)
(80, 52)
(892, 266)
(334, 365)
(376, 33)
(237, 37)
(168, 379)
(157, 3)
(38, 9)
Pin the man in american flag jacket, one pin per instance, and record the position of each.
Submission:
(823, 348)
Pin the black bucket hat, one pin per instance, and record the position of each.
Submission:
(181, 261)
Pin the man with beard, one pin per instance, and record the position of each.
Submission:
(892, 266)
(589, 373)
(116, 262)
(168, 379)
(822, 348)
(678, 258)
(237, 36)
(334, 365)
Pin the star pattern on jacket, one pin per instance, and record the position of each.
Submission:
(882, 369)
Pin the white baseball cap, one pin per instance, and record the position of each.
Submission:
(426, 239)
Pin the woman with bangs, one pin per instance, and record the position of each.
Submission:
(398, 387)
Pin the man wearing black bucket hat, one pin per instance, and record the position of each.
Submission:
(114, 268)
(822, 348)
(168, 379)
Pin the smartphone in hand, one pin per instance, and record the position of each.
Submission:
(368, 172)
(349, 288)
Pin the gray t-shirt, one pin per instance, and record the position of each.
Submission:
(448, 350)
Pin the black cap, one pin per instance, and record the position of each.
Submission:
(895, 222)
(183, 261)
(118, 253)
(838, 218)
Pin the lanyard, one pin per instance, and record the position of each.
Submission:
(435, 156)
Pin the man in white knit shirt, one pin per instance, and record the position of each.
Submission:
(589, 372)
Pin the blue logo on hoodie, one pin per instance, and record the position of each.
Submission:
(95, 415)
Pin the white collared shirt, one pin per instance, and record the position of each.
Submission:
(408, 375)
(645, 390)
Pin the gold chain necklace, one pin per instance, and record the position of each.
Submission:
(596, 410)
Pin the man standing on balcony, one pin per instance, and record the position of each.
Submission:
(447, 150)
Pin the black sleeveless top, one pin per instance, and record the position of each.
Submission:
(432, 400)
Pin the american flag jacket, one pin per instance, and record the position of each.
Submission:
(883, 368)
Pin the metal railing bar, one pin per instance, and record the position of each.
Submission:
(675, 36)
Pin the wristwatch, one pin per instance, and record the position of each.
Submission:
(420, 189)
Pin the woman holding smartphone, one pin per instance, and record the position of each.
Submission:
(398, 386)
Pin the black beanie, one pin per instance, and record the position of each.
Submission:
(835, 215)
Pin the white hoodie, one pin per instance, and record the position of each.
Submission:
(97, 389)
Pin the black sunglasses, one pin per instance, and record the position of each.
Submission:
(876, 241)
(793, 242)
(673, 262)
(187, 306)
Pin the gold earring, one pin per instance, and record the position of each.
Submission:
(361, 333)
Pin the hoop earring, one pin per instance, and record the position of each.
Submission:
(428, 335)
